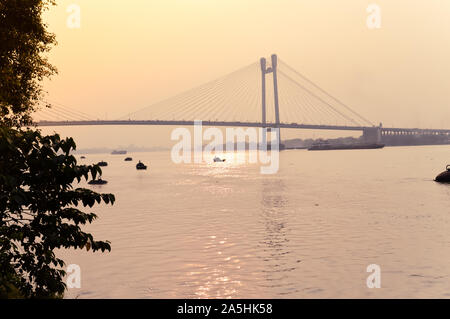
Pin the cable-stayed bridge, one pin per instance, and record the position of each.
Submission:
(267, 94)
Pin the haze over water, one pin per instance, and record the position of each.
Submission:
(309, 231)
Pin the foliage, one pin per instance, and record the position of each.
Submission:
(39, 210)
(24, 41)
(38, 203)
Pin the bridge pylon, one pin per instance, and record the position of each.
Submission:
(266, 70)
(372, 134)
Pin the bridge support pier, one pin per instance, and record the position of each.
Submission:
(372, 135)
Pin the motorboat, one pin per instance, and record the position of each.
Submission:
(119, 152)
(141, 165)
(127, 159)
(218, 159)
(102, 163)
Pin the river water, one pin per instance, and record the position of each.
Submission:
(223, 230)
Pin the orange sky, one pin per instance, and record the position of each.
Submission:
(129, 54)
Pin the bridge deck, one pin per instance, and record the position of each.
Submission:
(243, 124)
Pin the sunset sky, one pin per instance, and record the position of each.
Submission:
(128, 55)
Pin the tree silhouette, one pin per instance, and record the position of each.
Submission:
(38, 201)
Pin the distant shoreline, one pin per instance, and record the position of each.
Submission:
(165, 149)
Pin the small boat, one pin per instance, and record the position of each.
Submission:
(444, 177)
(97, 182)
(141, 165)
(326, 146)
(102, 163)
(127, 159)
(218, 159)
(121, 152)
(83, 157)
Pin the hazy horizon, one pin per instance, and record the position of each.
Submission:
(126, 57)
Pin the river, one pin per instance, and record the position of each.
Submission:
(223, 230)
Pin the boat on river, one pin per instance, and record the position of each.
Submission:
(141, 165)
(324, 146)
(444, 177)
(102, 163)
(97, 182)
(120, 152)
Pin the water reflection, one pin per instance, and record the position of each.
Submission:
(217, 279)
(277, 254)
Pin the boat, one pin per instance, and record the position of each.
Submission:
(217, 159)
(102, 163)
(83, 157)
(444, 177)
(127, 159)
(325, 146)
(121, 152)
(97, 182)
(141, 165)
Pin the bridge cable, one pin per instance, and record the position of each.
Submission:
(326, 93)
